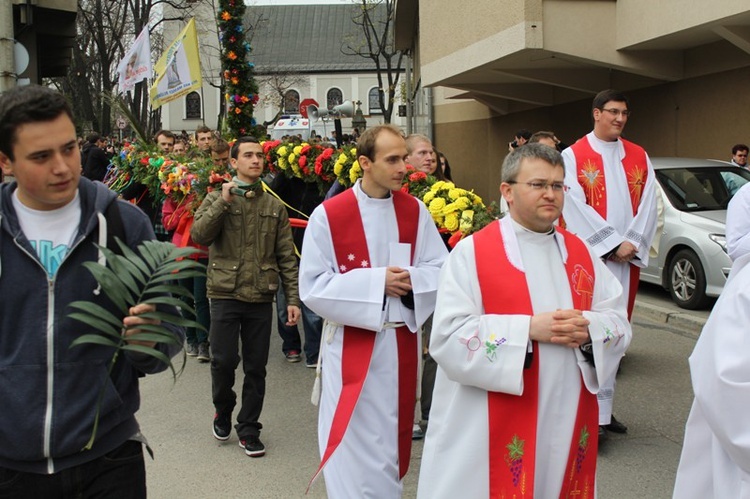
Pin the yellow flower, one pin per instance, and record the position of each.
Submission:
(467, 221)
(292, 158)
(342, 158)
(437, 185)
(297, 150)
(438, 219)
(450, 208)
(451, 221)
(282, 162)
(337, 168)
(436, 206)
(462, 203)
(282, 151)
(448, 185)
(355, 172)
(353, 151)
(428, 197)
(454, 194)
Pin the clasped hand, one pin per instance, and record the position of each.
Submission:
(624, 253)
(567, 328)
(397, 281)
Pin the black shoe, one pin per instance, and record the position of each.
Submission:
(616, 427)
(222, 426)
(253, 446)
(191, 349)
(603, 435)
(203, 354)
(293, 356)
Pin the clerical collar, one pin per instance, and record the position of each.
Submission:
(359, 185)
(520, 228)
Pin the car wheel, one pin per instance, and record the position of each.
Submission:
(687, 280)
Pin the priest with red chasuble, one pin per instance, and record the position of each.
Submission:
(528, 322)
(370, 264)
(611, 204)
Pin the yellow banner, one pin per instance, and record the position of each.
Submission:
(178, 71)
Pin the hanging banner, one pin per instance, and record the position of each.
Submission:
(136, 65)
(178, 71)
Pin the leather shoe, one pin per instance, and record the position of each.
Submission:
(616, 427)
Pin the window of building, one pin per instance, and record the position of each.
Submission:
(334, 97)
(291, 102)
(373, 101)
(193, 106)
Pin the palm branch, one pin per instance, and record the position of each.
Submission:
(134, 277)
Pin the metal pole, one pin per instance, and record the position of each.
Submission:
(409, 75)
(7, 62)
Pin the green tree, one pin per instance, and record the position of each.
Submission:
(374, 40)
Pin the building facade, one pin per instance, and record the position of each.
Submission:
(297, 52)
(502, 65)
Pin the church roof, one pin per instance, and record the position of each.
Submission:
(304, 38)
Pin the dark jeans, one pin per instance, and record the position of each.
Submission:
(313, 326)
(233, 321)
(120, 474)
(202, 310)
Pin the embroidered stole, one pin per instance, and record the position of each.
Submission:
(512, 418)
(590, 170)
(590, 173)
(348, 236)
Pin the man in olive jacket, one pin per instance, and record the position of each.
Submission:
(250, 245)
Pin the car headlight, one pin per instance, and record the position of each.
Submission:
(719, 239)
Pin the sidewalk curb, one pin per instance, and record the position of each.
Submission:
(682, 322)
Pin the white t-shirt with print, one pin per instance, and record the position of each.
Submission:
(51, 232)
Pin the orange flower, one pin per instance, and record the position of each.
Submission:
(226, 15)
(231, 55)
(237, 110)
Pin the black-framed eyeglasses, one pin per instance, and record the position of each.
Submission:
(617, 112)
(543, 186)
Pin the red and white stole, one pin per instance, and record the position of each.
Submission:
(513, 418)
(348, 236)
(590, 174)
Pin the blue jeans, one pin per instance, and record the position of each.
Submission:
(313, 325)
(200, 302)
(119, 474)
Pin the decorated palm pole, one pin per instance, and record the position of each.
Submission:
(241, 88)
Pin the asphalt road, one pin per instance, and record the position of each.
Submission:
(653, 399)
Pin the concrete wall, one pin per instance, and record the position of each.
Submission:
(702, 117)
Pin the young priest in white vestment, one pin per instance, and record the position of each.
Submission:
(370, 263)
(528, 322)
(611, 204)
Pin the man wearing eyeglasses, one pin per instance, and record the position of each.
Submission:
(611, 203)
(528, 322)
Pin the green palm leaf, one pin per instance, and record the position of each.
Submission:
(150, 275)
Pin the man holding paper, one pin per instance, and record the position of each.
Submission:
(370, 263)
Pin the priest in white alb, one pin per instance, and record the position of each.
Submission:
(611, 205)
(528, 322)
(715, 461)
(370, 264)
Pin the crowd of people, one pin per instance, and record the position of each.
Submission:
(516, 333)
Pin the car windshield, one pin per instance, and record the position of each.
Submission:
(702, 189)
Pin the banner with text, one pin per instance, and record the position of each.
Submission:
(178, 71)
(136, 65)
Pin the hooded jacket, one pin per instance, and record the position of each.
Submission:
(49, 390)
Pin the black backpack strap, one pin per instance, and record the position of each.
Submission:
(115, 227)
